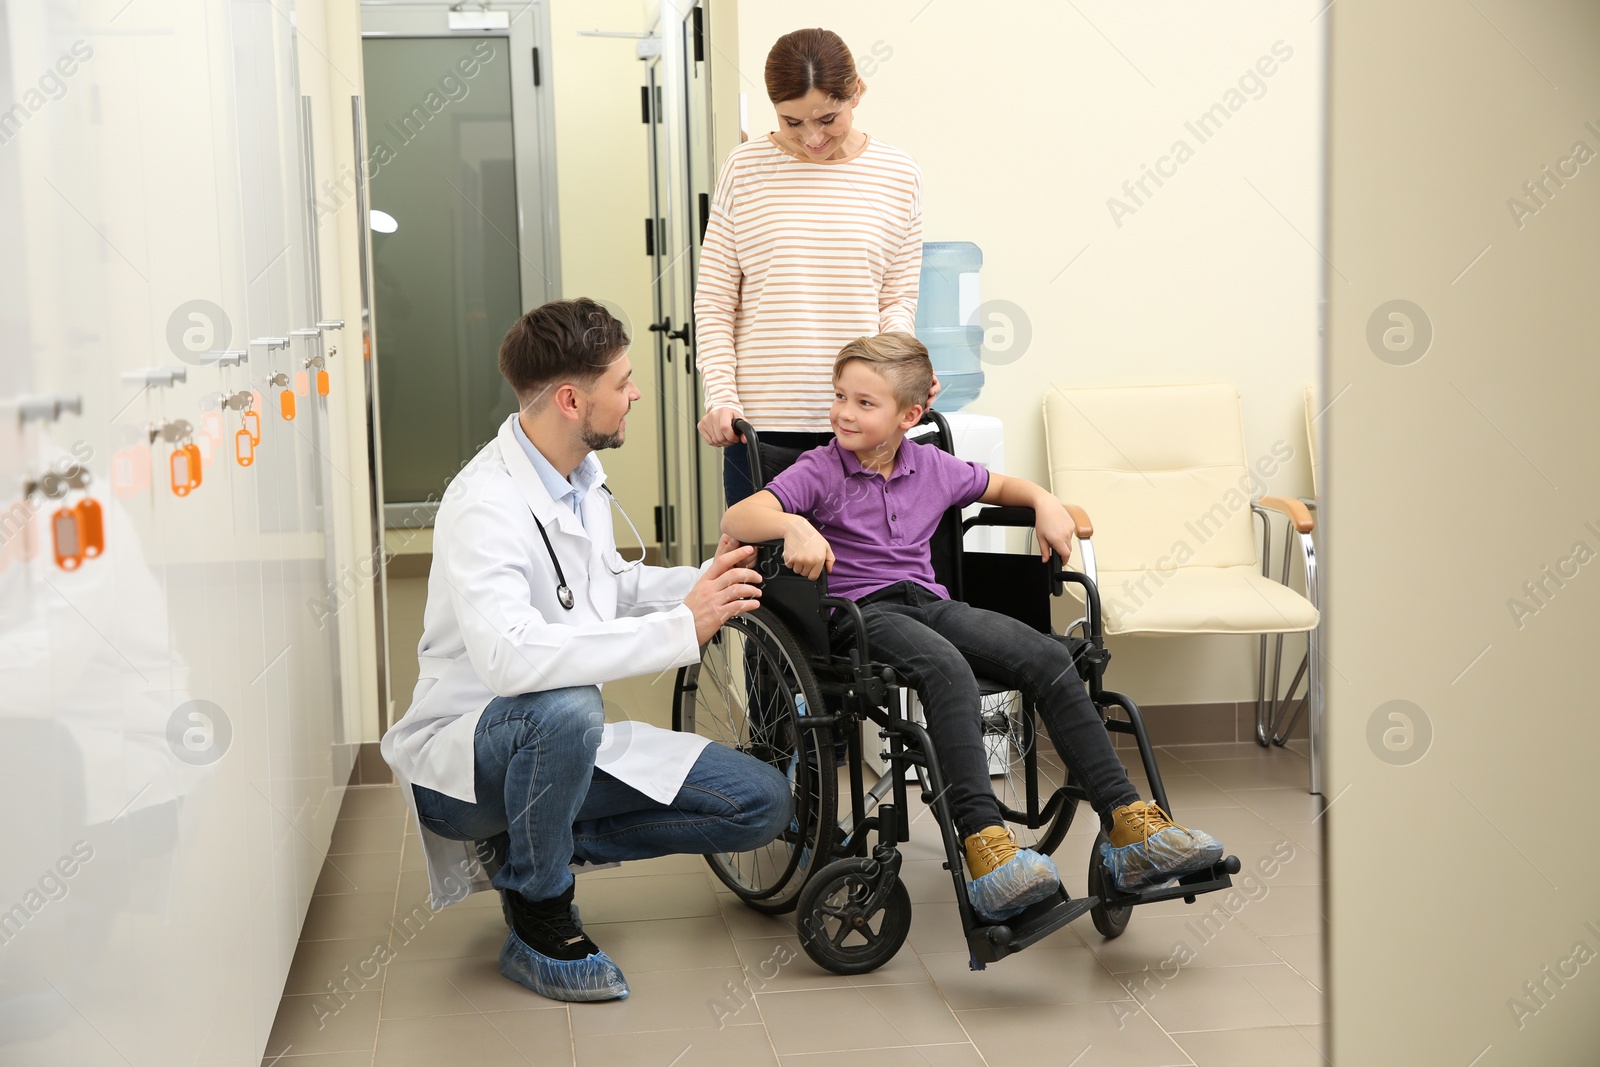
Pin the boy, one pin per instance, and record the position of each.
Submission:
(863, 508)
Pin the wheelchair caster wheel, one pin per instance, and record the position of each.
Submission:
(849, 923)
(1109, 921)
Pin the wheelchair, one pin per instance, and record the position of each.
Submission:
(769, 684)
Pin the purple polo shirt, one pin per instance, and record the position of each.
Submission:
(879, 528)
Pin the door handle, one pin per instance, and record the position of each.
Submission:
(665, 326)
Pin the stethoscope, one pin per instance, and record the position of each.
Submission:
(563, 591)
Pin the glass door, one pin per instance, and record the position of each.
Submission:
(461, 202)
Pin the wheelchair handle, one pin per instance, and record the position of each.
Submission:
(752, 451)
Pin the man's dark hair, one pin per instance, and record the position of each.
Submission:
(559, 342)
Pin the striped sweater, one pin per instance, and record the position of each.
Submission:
(801, 257)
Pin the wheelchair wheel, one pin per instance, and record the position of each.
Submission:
(1010, 732)
(842, 927)
(1109, 921)
(749, 691)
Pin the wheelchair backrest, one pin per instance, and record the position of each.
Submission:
(796, 600)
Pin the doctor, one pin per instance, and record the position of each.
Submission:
(530, 608)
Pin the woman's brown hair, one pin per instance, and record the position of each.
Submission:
(810, 59)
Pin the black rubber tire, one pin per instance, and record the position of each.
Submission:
(1109, 921)
(768, 879)
(831, 917)
(1016, 729)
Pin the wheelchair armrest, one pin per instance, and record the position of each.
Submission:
(999, 516)
(1016, 516)
(1020, 516)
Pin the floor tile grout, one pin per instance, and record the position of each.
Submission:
(1238, 799)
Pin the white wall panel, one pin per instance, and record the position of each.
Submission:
(151, 889)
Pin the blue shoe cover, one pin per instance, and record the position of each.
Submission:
(591, 978)
(1005, 891)
(1163, 856)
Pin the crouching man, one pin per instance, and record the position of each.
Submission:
(530, 609)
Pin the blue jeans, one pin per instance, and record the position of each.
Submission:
(541, 802)
(935, 645)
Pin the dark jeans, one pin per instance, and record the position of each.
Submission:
(542, 802)
(935, 645)
(778, 451)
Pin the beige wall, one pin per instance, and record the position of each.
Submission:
(1460, 869)
(1026, 118)
(603, 173)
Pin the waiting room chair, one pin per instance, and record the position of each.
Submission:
(1163, 475)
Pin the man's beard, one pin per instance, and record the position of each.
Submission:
(595, 441)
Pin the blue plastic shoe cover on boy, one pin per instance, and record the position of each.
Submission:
(1008, 889)
(1162, 856)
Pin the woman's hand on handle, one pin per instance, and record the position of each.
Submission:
(717, 427)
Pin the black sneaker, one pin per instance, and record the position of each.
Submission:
(547, 951)
(549, 926)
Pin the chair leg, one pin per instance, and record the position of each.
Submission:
(1261, 692)
(1280, 729)
(1261, 660)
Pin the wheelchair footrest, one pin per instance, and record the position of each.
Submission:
(1190, 885)
(989, 943)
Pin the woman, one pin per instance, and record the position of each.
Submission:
(814, 239)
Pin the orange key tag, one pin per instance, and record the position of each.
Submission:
(302, 383)
(213, 426)
(244, 448)
(64, 533)
(185, 466)
(322, 383)
(286, 405)
(252, 426)
(91, 527)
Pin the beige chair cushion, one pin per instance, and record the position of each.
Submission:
(1162, 473)
(1200, 600)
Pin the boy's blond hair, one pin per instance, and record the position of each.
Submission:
(900, 358)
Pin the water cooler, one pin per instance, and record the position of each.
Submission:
(947, 313)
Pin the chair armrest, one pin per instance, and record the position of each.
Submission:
(1080, 519)
(1298, 513)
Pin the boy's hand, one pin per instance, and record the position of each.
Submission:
(807, 552)
(1054, 528)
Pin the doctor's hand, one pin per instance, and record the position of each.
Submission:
(728, 588)
(717, 426)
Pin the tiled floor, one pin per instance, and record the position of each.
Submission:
(1233, 980)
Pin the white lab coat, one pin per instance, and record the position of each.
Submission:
(493, 627)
